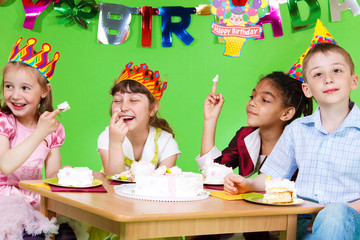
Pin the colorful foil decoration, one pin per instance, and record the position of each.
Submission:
(78, 13)
(108, 11)
(321, 35)
(237, 23)
(314, 13)
(273, 17)
(179, 28)
(146, 24)
(336, 8)
(32, 11)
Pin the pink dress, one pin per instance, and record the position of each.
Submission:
(32, 168)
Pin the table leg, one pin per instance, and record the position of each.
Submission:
(44, 208)
(290, 233)
(129, 231)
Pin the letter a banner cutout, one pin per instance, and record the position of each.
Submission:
(237, 23)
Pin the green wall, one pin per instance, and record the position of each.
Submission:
(86, 70)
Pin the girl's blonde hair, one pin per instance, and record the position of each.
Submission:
(131, 86)
(45, 103)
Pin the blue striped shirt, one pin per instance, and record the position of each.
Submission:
(328, 163)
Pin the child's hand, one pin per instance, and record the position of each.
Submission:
(235, 184)
(212, 106)
(117, 128)
(48, 123)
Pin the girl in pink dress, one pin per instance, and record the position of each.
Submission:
(30, 136)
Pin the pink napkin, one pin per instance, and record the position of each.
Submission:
(221, 187)
(119, 183)
(66, 189)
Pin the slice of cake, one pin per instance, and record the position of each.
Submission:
(171, 183)
(215, 173)
(279, 191)
(75, 177)
(63, 106)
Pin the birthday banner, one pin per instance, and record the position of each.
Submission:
(236, 19)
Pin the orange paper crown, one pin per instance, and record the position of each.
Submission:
(143, 75)
(37, 60)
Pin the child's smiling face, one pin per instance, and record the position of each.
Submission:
(135, 110)
(265, 107)
(22, 93)
(329, 79)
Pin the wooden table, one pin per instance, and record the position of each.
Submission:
(134, 219)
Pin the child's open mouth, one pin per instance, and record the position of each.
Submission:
(18, 106)
(127, 119)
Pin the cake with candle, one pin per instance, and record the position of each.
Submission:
(75, 177)
(279, 191)
(169, 183)
(215, 173)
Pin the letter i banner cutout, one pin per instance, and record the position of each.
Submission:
(237, 23)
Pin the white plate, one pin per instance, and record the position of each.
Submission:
(128, 191)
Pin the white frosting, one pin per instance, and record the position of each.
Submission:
(125, 174)
(278, 185)
(216, 78)
(142, 168)
(180, 185)
(279, 191)
(64, 106)
(215, 173)
(75, 177)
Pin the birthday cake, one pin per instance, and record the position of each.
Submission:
(279, 191)
(169, 183)
(136, 169)
(215, 173)
(75, 177)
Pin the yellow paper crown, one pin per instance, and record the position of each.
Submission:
(321, 35)
(37, 60)
(144, 76)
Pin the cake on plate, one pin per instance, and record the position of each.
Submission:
(136, 169)
(169, 183)
(279, 191)
(215, 173)
(75, 177)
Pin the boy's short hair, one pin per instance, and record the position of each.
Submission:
(325, 48)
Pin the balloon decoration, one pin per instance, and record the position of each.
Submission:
(179, 28)
(321, 35)
(121, 25)
(237, 23)
(32, 11)
(146, 25)
(273, 17)
(79, 13)
(296, 21)
(336, 8)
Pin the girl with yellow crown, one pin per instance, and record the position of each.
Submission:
(135, 132)
(30, 136)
